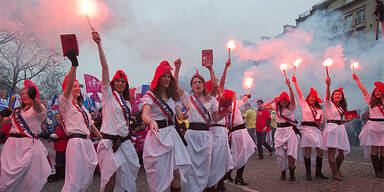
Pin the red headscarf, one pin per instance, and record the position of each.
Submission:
(379, 86)
(228, 94)
(28, 83)
(314, 93)
(340, 89)
(163, 68)
(121, 74)
(65, 81)
(283, 97)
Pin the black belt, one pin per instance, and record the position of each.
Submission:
(77, 135)
(307, 123)
(198, 126)
(116, 140)
(17, 135)
(238, 127)
(283, 125)
(163, 123)
(374, 119)
(216, 125)
(338, 122)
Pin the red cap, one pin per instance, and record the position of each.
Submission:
(314, 93)
(379, 86)
(163, 68)
(283, 96)
(65, 81)
(120, 73)
(228, 94)
(28, 83)
(340, 89)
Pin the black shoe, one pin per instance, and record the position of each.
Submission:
(319, 166)
(376, 166)
(240, 181)
(308, 176)
(228, 176)
(283, 176)
(292, 174)
(221, 186)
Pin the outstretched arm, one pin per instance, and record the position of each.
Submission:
(298, 90)
(291, 93)
(328, 91)
(361, 86)
(224, 75)
(103, 60)
(268, 105)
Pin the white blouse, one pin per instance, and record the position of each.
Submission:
(33, 120)
(306, 112)
(286, 112)
(331, 111)
(193, 115)
(72, 117)
(156, 113)
(374, 112)
(114, 122)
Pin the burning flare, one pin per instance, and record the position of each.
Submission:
(297, 62)
(248, 82)
(231, 44)
(283, 67)
(355, 65)
(328, 62)
(87, 7)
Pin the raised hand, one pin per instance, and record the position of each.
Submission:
(288, 82)
(96, 37)
(177, 63)
(328, 81)
(71, 54)
(228, 63)
(355, 77)
(294, 79)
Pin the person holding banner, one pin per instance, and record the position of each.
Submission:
(242, 145)
(81, 157)
(166, 160)
(24, 163)
(286, 140)
(372, 134)
(334, 134)
(312, 119)
(201, 115)
(118, 161)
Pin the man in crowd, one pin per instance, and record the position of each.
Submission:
(263, 122)
(250, 121)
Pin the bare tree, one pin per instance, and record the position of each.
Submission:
(24, 56)
(50, 82)
(5, 37)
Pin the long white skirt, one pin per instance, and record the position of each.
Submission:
(221, 155)
(49, 144)
(24, 165)
(80, 164)
(311, 137)
(335, 136)
(286, 144)
(124, 162)
(243, 147)
(200, 152)
(372, 134)
(163, 153)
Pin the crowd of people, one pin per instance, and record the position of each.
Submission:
(194, 139)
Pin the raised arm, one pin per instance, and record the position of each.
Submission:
(328, 91)
(268, 105)
(361, 86)
(177, 63)
(291, 93)
(72, 73)
(213, 76)
(103, 60)
(298, 90)
(224, 75)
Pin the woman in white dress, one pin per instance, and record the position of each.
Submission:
(334, 134)
(203, 111)
(312, 118)
(118, 161)
(81, 157)
(24, 163)
(372, 134)
(242, 145)
(166, 160)
(286, 139)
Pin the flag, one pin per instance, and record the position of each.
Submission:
(54, 106)
(92, 84)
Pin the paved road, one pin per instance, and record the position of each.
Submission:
(264, 175)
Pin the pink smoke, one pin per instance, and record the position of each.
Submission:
(336, 54)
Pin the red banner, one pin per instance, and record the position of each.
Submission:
(92, 84)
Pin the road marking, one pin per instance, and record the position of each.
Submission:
(242, 187)
(351, 162)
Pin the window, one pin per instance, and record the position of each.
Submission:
(360, 33)
(360, 16)
(348, 21)
(347, 1)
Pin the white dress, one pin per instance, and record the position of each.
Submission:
(335, 136)
(80, 155)
(164, 151)
(286, 140)
(124, 162)
(222, 160)
(310, 136)
(24, 163)
(242, 144)
(372, 133)
(199, 147)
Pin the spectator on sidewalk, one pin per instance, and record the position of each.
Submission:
(263, 122)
